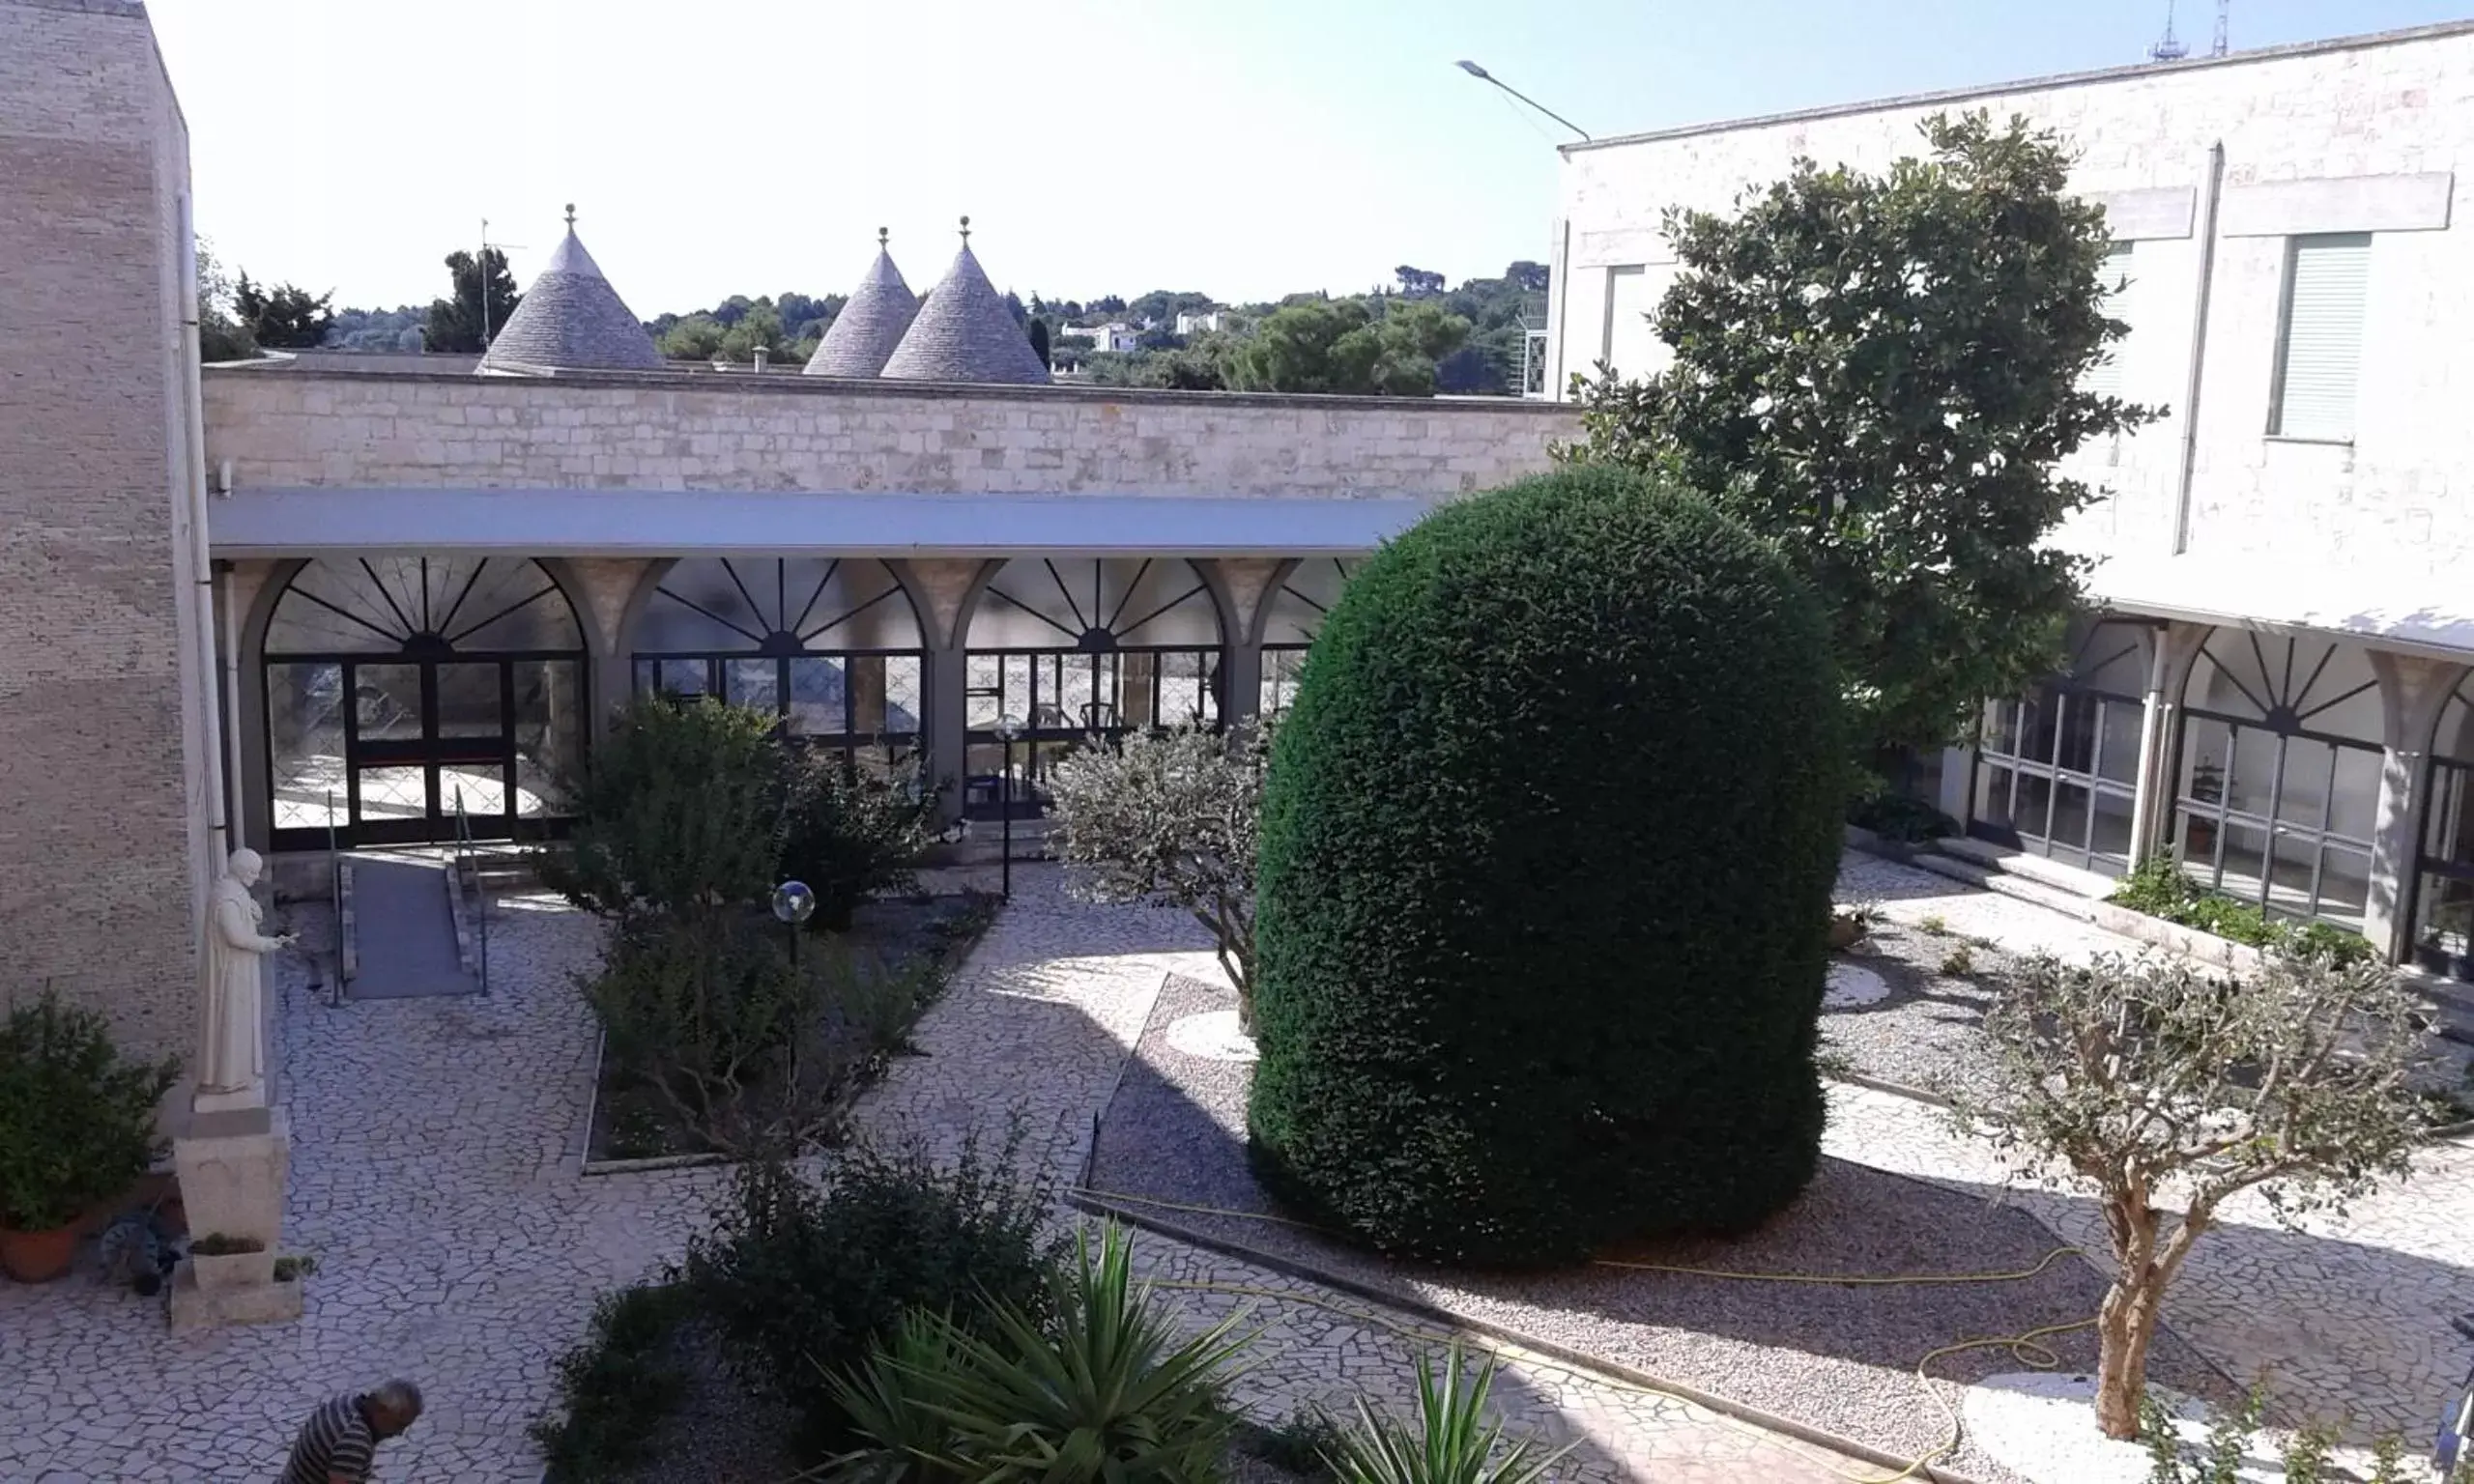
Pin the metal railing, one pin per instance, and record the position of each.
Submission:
(468, 874)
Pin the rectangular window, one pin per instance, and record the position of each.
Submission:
(2327, 281)
(1633, 344)
(2104, 379)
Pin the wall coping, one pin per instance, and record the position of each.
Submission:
(2046, 83)
(793, 384)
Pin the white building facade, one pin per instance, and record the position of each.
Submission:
(2273, 680)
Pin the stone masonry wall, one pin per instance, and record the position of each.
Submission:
(98, 842)
(2401, 494)
(298, 428)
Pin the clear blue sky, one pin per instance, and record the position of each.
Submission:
(1246, 148)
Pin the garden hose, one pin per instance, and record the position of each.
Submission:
(2028, 1347)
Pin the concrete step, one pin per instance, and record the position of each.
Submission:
(2059, 877)
(1993, 878)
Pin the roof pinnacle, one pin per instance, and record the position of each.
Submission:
(571, 215)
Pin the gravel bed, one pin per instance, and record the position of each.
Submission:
(1840, 1358)
(719, 1433)
(1927, 1033)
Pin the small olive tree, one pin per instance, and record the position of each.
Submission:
(2171, 1091)
(1170, 818)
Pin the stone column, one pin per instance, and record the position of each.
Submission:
(2411, 692)
(939, 587)
(1247, 582)
(608, 594)
(2176, 648)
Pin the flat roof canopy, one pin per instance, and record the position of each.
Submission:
(661, 523)
(2388, 606)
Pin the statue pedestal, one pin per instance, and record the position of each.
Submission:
(232, 1168)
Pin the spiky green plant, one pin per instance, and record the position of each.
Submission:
(1453, 1440)
(1108, 1393)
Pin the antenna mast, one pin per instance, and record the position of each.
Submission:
(2224, 14)
(2168, 48)
(481, 270)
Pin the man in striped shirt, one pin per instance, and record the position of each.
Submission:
(336, 1445)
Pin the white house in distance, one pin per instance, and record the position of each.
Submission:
(2274, 681)
(1195, 321)
(1115, 335)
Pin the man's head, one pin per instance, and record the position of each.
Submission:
(392, 1407)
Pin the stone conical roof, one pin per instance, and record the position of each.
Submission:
(965, 333)
(864, 334)
(571, 320)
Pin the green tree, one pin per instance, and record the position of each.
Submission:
(221, 336)
(1341, 346)
(455, 322)
(1540, 930)
(285, 316)
(1038, 331)
(1882, 371)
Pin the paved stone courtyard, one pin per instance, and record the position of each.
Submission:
(435, 1179)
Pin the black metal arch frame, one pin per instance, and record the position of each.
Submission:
(1283, 660)
(427, 642)
(2203, 810)
(2444, 866)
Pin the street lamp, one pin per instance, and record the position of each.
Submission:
(1484, 75)
(793, 905)
(1008, 727)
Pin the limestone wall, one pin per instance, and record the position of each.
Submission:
(99, 846)
(703, 431)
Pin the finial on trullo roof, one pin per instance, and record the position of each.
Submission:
(571, 215)
(881, 237)
(965, 231)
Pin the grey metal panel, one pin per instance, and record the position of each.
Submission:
(2348, 203)
(2145, 215)
(643, 523)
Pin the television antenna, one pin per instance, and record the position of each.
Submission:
(2168, 48)
(2223, 16)
(481, 272)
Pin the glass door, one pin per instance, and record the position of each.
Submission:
(426, 736)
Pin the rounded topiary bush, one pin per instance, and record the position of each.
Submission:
(1548, 847)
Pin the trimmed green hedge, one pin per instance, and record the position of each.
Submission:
(1547, 850)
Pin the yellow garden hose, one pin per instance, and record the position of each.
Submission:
(2029, 1347)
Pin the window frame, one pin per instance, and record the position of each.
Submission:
(2281, 368)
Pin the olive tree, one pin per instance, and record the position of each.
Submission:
(1169, 817)
(2171, 1090)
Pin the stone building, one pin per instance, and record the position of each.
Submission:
(362, 594)
(2274, 683)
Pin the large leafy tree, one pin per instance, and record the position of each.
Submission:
(284, 316)
(1884, 370)
(455, 322)
(1343, 346)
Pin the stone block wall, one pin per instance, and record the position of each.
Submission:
(2372, 134)
(101, 849)
(298, 428)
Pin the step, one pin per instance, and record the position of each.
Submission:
(1993, 878)
(2034, 867)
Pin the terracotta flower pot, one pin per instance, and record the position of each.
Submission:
(38, 1257)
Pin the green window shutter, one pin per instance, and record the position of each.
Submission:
(2327, 287)
(2104, 379)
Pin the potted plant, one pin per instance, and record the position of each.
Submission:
(76, 1126)
(223, 1262)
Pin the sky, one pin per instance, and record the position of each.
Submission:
(1244, 148)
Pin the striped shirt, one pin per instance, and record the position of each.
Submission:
(335, 1442)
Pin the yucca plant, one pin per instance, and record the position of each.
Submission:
(1451, 1441)
(1106, 1393)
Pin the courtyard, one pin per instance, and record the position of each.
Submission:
(437, 1182)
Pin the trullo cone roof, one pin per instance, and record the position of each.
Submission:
(965, 333)
(864, 334)
(571, 320)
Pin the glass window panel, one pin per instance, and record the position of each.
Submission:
(2069, 817)
(1045, 603)
(847, 603)
(387, 703)
(2109, 845)
(2444, 920)
(306, 744)
(2293, 858)
(2001, 728)
(550, 725)
(2455, 739)
(1301, 599)
(2345, 886)
(468, 701)
(904, 684)
(983, 691)
(753, 683)
(2448, 828)
(478, 788)
(698, 605)
(686, 677)
(820, 688)
(394, 793)
(2199, 833)
(2032, 802)
(2119, 732)
(2074, 750)
(2228, 676)
(2035, 727)
(2305, 792)
(2246, 858)
(2354, 810)
(2249, 783)
(1282, 670)
(2111, 657)
(2207, 749)
(508, 605)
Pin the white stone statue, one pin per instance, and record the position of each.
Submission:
(231, 1069)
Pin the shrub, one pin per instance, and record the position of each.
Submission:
(616, 1389)
(1172, 818)
(77, 1118)
(2159, 888)
(1100, 1389)
(801, 1281)
(1451, 1442)
(1548, 843)
(851, 834)
(680, 811)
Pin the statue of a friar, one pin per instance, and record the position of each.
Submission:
(231, 1069)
